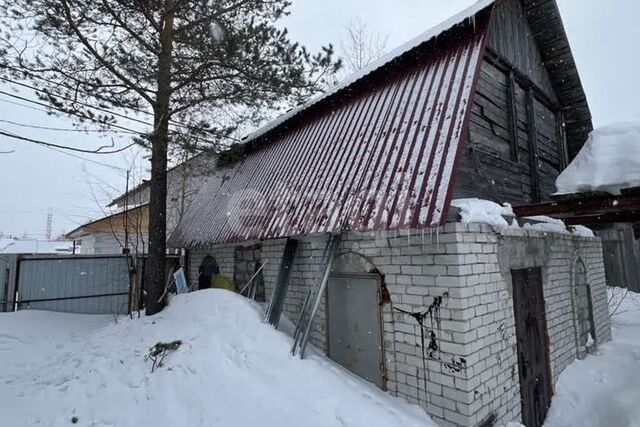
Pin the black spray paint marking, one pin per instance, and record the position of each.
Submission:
(432, 350)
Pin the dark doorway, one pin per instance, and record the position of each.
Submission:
(208, 269)
(533, 350)
(354, 321)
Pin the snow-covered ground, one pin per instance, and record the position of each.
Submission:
(603, 390)
(231, 370)
(234, 371)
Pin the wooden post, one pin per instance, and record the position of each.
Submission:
(513, 114)
(562, 139)
(533, 146)
(5, 290)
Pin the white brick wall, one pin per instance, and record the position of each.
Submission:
(471, 264)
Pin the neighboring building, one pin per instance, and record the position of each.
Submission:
(109, 235)
(474, 324)
(621, 245)
(113, 233)
(34, 246)
(183, 183)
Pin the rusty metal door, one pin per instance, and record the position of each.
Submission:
(354, 323)
(533, 350)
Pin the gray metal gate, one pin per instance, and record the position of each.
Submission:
(354, 323)
(74, 284)
(7, 268)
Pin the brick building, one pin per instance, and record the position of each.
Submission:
(472, 323)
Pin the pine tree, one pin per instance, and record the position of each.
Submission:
(186, 60)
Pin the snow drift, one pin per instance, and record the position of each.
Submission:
(609, 161)
(231, 370)
(483, 211)
(603, 389)
(487, 212)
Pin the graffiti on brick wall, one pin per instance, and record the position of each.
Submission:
(429, 322)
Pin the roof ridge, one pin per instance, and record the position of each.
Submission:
(408, 46)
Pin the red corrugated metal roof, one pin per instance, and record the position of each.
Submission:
(382, 159)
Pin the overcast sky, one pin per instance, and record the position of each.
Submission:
(604, 37)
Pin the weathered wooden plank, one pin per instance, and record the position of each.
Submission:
(510, 36)
(581, 205)
(604, 218)
(513, 122)
(533, 155)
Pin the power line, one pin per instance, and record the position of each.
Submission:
(138, 110)
(109, 125)
(84, 158)
(72, 113)
(62, 147)
(55, 128)
(84, 104)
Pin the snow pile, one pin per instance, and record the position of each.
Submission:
(546, 224)
(231, 370)
(487, 212)
(604, 389)
(609, 161)
(484, 212)
(582, 231)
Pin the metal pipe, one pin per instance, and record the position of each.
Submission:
(253, 277)
(296, 333)
(323, 285)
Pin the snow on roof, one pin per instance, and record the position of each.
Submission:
(609, 161)
(464, 15)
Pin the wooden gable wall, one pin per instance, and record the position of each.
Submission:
(516, 145)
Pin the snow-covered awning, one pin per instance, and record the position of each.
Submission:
(602, 184)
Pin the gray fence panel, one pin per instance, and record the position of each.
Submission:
(7, 280)
(91, 285)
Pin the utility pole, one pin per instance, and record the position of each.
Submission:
(49, 224)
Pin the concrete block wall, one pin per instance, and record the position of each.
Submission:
(473, 372)
(417, 266)
(493, 366)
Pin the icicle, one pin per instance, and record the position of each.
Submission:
(437, 238)
(422, 236)
(408, 237)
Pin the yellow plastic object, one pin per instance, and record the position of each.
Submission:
(220, 282)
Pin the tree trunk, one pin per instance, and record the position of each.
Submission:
(155, 279)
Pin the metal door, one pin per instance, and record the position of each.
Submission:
(354, 323)
(533, 353)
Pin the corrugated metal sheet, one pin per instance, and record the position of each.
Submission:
(74, 284)
(383, 159)
(465, 14)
